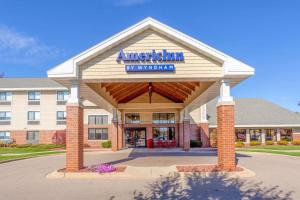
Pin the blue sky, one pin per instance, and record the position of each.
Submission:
(36, 35)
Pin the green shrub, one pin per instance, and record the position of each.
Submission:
(13, 145)
(239, 144)
(255, 143)
(195, 143)
(269, 143)
(296, 142)
(282, 142)
(106, 144)
(23, 145)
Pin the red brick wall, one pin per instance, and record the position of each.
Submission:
(296, 136)
(19, 137)
(45, 136)
(204, 134)
(95, 143)
(186, 135)
(194, 132)
(226, 137)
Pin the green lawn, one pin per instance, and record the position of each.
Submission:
(28, 151)
(270, 151)
(4, 157)
(274, 147)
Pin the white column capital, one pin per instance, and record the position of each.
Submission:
(74, 97)
(186, 115)
(225, 91)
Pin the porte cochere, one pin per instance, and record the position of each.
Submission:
(155, 82)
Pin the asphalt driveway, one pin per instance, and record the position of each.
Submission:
(277, 178)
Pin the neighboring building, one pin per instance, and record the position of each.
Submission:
(259, 120)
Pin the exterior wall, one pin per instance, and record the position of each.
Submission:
(45, 136)
(19, 108)
(296, 133)
(105, 65)
(95, 111)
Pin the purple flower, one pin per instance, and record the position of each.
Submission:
(105, 168)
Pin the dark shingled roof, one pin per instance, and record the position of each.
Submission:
(19, 83)
(251, 111)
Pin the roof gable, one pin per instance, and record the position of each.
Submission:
(231, 66)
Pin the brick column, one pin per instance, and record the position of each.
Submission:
(180, 137)
(226, 136)
(114, 136)
(120, 136)
(186, 135)
(204, 134)
(74, 138)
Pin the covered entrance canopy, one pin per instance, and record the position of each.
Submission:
(151, 67)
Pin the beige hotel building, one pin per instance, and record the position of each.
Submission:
(147, 83)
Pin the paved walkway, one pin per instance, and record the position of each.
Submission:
(277, 178)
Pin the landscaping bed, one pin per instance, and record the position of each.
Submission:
(203, 168)
(99, 169)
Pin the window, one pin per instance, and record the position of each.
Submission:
(62, 95)
(61, 115)
(270, 134)
(32, 137)
(98, 119)
(5, 115)
(286, 134)
(34, 96)
(4, 135)
(5, 96)
(240, 135)
(98, 134)
(33, 116)
(163, 118)
(164, 133)
(255, 134)
(132, 118)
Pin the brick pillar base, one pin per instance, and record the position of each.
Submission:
(74, 138)
(186, 135)
(226, 136)
(114, 136)
(204, 134)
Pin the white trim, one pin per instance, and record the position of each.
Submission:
(263, 126)
(31, 89)
(231, 66)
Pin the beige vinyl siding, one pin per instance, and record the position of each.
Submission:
(19, 108)
(155, 98)
(95, 111)
(105, 66)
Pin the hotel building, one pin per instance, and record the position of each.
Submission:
(149, 81)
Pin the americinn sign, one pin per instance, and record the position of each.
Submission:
(157, 60)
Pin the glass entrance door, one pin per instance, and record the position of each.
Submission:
(135, 137)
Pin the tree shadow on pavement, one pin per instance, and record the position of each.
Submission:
(208, 186)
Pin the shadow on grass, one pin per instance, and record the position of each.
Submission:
(213, 186)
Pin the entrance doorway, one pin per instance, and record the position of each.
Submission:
(135, 137)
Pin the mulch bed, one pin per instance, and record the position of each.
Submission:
(119, 169)
(204, 168)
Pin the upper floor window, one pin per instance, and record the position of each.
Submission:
(34, 96)
(4, 135)
(163, 118)
(132, 118)
(61, 115)
(33, 116)
(98, 119)
(5, 115)
(5, 96)
(62, 95)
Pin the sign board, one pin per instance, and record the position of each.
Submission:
(153, 61)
